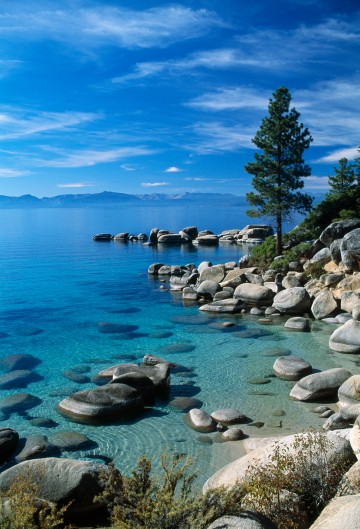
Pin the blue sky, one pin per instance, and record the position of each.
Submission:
(152, 96)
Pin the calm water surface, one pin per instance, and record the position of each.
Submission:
(56, 284)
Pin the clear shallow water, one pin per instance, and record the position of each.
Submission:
(56, 284)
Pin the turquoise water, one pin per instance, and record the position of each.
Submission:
(56, 284)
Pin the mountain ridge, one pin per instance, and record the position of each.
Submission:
(113, 199)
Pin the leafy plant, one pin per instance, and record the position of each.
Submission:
(168, 501)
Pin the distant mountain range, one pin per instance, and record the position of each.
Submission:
(110, 199)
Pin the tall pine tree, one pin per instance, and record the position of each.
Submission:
(343, 179)
(279, 169)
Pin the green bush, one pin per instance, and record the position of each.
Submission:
(305, 471)
(314, 270)
(21, 508)
(168, 501)
(263, 254)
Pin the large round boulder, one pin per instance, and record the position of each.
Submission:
(350, 249)
(208, 288)
(228, 416)
(338, 449)
(320, 385)
(244, 520)
(61, 481)
(337, 230)
(110, 402)
(254, 294)
(170, 238)
(297, 323)
(349, 397)
(291, 367)
(346, 339)
(200, 420)
(213, 273)
(324, 305)
(294, 300)
(341, 512)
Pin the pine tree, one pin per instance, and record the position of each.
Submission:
(343, 179)
(357, 169)
(279, 169)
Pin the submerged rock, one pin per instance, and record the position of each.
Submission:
(18, 361)
(18, 402)
(19, 378)
(9, 439)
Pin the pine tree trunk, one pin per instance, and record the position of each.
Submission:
(278, 234)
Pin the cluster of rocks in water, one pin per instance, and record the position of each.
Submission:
(253, 233)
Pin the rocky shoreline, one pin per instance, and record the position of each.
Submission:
(125, 390)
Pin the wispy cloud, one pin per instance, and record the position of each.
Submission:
(329, 109)
(104, 25)
(127, 167)
(173, 169)
(316, 183)
(266, 49)
(18, 122)
(88, 158)
(154, 184)
(6, 66)
(76, 184)
(335, 156)
(216, 137)
(231, 99)
(12, 173)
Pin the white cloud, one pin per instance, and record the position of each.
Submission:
(329, 109)
(316, 182)
(173, 169)
(217, 137)
(231, 99)
(127, 167)
(76, 184)
(154, 184)
(103, 24)
(17, 122)
(335, 156)
(266, 49)
(12, 173)
(88, 158)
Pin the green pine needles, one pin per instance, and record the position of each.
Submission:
(278, 170)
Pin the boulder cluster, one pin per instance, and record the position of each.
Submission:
(191, 235)
(333, 297)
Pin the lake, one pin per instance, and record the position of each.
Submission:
(56, 284)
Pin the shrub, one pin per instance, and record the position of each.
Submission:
(263, 254)
(20, 508)
(142, 501)
(314, 270)
(305, 471)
